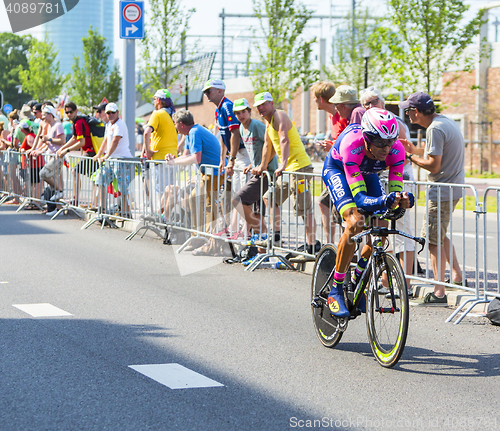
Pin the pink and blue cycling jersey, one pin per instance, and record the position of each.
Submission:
(351, 176)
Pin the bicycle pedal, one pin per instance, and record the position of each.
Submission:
(316, 302)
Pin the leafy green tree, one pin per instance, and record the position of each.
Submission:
(421, 39)
(13, 58)
(42, 78)
(164, 39)
(285, 60)
(93, 80)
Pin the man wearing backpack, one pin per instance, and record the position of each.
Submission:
(81, 139)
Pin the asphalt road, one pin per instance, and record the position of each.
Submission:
(250, 332)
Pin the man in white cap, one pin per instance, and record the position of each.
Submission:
(347, 104)
(115, 145)
(283, 139)
(229, 128)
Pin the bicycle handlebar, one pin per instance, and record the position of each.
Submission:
(387, 214)
(383, 231)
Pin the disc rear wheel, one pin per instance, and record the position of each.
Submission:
(328, 328)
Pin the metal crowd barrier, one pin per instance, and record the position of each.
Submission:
(196, 204)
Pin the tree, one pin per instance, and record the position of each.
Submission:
(285, 61)
(42, 78)
(422, 39)
(93, 80)
(13, 58)
(348, 58)
(162, 46)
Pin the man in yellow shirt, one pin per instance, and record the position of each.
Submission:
(282, 138)
(160, 139)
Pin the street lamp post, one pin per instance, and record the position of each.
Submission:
(366, 55)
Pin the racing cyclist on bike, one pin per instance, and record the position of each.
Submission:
(350, 173)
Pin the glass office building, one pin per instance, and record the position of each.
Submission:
(66, 32)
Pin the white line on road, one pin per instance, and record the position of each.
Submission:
(175, 376)
(470, 235)
(41, 310)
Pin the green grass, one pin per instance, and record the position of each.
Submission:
(476, 174)
(491, 203)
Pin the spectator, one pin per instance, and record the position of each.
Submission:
(282, 138)
(444, 158)
(115, 146)
(13, 141)
(253, 134)
(99, 112)
(404, 248)
(323, 92)
(160, 139)
(201, 148)
(347, 104)
(31, 169)
(37, 114)
(81, 139)
(50, 142)
(229, 128)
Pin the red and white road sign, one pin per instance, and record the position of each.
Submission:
(132, 13)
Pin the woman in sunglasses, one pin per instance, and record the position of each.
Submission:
(350, 173)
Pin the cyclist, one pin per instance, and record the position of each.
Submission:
(350, 173)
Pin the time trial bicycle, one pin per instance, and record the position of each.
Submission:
(387, 316)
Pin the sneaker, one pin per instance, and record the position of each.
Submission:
(57, 195)
(251, 260)
(431, 299)
(382, 290)
(236, 236)
(258, 239)
(458, 283)
(52, 213)
(223, 232)
(314, 249)
(396, 293)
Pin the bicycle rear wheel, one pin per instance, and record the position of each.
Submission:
(328, 329)
(388, 326)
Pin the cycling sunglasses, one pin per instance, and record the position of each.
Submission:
(381, 143)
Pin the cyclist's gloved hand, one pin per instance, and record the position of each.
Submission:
(390, 199)
(411, 197)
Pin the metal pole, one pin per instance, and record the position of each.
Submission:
(366, 72)
(222, 51)
(187, 91)
(321, 115)
(128, 85)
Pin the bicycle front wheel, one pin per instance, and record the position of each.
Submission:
(387, 324)
(328, 329)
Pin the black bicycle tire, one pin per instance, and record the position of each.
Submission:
(388, 356)
(324, 322)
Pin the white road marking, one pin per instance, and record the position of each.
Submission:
(470, 235)
(42, 310)
(175, 376)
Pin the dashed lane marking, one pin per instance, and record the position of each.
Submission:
(175, 376)
(42, 310)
